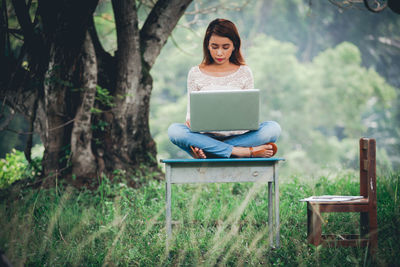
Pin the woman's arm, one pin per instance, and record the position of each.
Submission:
(249, 79)
(190, 88)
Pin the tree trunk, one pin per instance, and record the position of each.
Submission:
(68, 67)
(64, 32)
(82, 158)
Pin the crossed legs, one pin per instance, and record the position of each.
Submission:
(237, 145)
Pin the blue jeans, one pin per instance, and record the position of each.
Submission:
(216, 146)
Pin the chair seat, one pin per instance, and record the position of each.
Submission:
(359, 205)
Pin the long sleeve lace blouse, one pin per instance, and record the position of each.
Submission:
(197, 80)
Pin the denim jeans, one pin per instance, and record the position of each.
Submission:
(216, 146)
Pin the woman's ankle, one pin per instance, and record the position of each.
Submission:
(241, 152)
(246, 152)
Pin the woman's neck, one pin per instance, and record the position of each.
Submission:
(219, 70)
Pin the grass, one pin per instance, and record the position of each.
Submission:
(213, 225)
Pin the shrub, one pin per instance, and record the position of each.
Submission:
(15, 166)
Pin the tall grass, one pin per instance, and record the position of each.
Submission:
(213, 225)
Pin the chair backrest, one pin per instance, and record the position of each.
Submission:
(368, 169)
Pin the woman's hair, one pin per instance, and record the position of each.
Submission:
(223, 28)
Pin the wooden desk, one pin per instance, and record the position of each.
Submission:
(261, 170)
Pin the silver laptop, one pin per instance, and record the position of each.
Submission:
(224, 110)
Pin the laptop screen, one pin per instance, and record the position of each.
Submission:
(224, 110)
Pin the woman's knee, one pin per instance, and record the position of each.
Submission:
(271, 130)
(176, 131)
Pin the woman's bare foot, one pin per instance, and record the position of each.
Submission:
(198, 153)
(263, 151)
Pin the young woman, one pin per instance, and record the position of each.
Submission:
(223, 67)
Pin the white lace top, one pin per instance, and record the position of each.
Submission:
(197, 80)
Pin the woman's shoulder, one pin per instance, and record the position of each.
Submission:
(245, 68)
(194, 70)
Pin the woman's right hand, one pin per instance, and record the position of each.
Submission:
(187, 123)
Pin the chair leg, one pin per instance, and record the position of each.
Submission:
(373, 231)
(314, 227)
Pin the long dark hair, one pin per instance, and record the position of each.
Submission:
(223, 28)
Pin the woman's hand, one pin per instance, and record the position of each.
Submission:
(187, 123)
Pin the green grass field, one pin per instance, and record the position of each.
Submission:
(214, 224)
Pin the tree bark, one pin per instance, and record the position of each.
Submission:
(64, 31)
(82, 158)
(129, 142)
(67, 64)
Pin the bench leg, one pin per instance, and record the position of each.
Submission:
(168, 218)
(276, 206)
(270, 222)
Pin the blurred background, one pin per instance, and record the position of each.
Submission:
(328, 74)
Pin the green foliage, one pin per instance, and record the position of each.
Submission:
(12, 167)
(320, 104)
(100, 125)
(15, 167)
(324, 106)
(212, 224)
(95, 111)
(104, 97)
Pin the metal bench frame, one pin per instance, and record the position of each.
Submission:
(263, 170)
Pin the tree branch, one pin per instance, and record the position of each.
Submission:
(128, 54)
(158, 27)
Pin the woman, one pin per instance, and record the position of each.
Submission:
(223, 67)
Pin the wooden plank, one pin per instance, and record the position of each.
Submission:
(364, 143)
(361, 201)
(372, 214)
(363, 172)
(343, 208)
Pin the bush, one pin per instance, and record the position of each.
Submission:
(15, 166)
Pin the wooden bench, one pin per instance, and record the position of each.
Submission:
(263, 170)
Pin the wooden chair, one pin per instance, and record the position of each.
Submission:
(366, 207)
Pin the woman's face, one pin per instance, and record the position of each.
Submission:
(221, 49)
